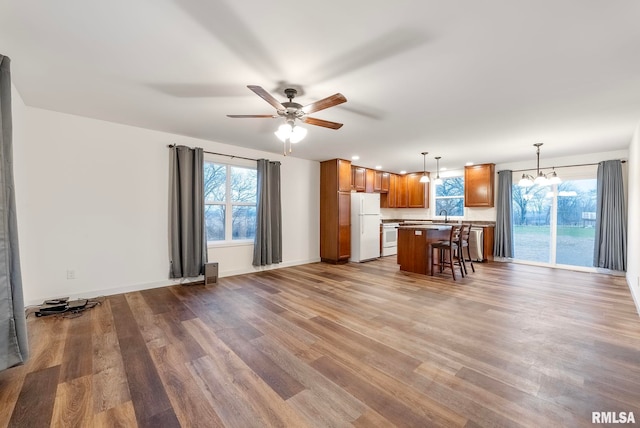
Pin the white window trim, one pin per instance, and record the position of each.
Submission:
(241, 163)
(437, 216)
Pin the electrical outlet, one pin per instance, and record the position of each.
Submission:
(71, 274)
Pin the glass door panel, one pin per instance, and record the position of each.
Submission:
(555, 224)
(576, 222)
(532, 223)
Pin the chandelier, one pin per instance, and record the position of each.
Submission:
(541, 179)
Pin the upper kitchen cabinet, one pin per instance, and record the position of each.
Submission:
(377, 181)
(417, 192)
(358, 177)
(370, 180)
(478, 185)
(388, 199)
(384, 182)
(402, 198)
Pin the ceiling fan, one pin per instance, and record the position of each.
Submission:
(290, 111)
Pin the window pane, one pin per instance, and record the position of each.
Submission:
(244, 184)
(214, 216)
(531, 220)
(576, 222)
(451, 186)
(215, 182)
(453, 206)
(244, 222)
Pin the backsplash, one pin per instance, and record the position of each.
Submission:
(470, 214)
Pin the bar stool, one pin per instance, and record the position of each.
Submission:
(463, 243)
(449, 248)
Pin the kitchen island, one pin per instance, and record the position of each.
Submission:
(413, 245)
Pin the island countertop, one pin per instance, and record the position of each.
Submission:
(413, 245)
(425, 226)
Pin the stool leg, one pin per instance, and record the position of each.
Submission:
(470, 261)
(453, 268)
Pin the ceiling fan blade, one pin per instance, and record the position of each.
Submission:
(324, 103)
(236, 116)
(321, 122)
(266, 96)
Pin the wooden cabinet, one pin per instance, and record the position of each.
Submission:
(417, 192)
(388, 199)
(358, 177)
(479, 185)
(377, 181)
(487, 242)
(369, 180)
(335, 210)
(384, 182)
(402, 199)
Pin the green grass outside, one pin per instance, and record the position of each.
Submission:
(574, 246)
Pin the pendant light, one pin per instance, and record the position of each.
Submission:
(540, 178)
(425, 177)
(438, 180)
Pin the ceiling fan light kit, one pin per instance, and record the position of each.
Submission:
(541, 178)
(289, 132)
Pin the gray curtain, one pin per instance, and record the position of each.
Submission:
(503, 238)
(14, 349)
(610, 248)
(267, 248)
(187, 239)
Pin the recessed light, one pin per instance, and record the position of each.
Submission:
(443, 169)
(378, 166)
(355, 157)
(403, 172)
(469, 163)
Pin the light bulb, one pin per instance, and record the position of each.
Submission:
(525, 181)
(297, 134)
(283, 132)
(541, 180)
(554, 178)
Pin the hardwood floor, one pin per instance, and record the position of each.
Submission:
(350, 345)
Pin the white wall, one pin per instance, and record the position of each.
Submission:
(92, 197)
(633, 231)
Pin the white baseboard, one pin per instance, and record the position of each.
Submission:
(165, 283)
(634, 294)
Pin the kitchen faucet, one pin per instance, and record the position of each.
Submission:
(445, 214)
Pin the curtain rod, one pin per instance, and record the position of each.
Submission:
(221, 154)
(562, 166)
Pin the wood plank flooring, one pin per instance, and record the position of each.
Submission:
(320, 345)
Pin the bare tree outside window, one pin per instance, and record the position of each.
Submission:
(230, 190)
(450, 196)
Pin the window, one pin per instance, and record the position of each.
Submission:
(230, 194)
(555, 224)
(450, 197)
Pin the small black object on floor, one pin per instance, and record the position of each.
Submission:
(63, 305)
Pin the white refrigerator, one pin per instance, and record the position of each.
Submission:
(365, 226)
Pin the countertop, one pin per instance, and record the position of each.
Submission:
(409, 222)
(425, 226)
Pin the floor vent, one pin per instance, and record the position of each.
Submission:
(210, 273)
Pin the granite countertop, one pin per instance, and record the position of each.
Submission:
(416, 222)
(425, 226)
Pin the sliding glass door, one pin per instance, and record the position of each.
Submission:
(554, 224)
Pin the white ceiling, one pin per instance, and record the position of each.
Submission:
(468, 80)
